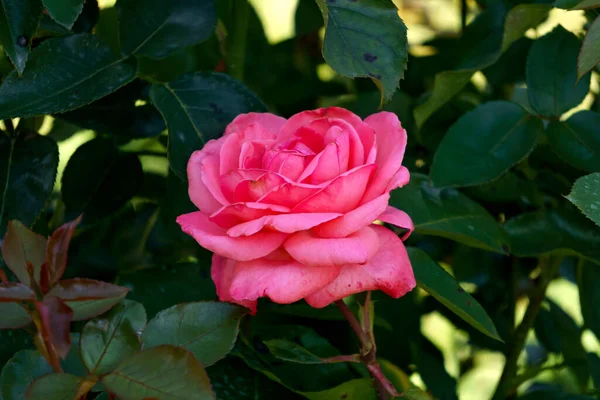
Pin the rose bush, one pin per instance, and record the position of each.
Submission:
(287, 207)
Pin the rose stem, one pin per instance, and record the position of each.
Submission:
(368, 352)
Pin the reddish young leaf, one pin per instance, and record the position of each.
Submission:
(15, 292)
(21, 245)
(55, 319)
(88, 297)
(57, 249)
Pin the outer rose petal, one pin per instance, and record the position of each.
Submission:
(354, 220)
(221, 273)
(198, 191)
(238, 213)
(270, 122)
(399, 218)
(389, 270)
(308, 249)
(287, 223)
(283, 281)
(391, 143)
(401, 178)
(214, 238)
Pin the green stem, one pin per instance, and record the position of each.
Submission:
(236, 40)
(549, 268)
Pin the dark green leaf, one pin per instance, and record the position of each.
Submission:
(589, 55)
(594, 366)
(99, 179)
(65, 12)
(20, 247)
(586, 196)
(28, 167)
(552, 83)
(20, 371)
(576, 140)
(290, 351)
(107, 340)
(356, 389)
(589, 296)
(197, 108)
(63, 73)
(157, 28)
(366, 39)
(450, 214)
(13, 316)
(18, 23)
(432, 278)
(553, 231)
(55, 387)
(163, 373)
(87, 297)
(485, 143)
(12, 341)
(206, 329)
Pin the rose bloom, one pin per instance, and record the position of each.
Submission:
(287, 207)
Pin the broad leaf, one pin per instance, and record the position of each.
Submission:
(113, 337)
(13, 316)
(15, 292)
(554, 231)
(206, 329)
(576, 140)
(586, 196)
(450, 214)
(589, 56)
(22, 250)
(28, 166)
(88, 297)
(157, 28)
(82, 69)
(588, 281)
(197, 108)
(19, 372)
(65, 12)
(357, 389)
(594, 367)
(55, 387)
(485, 143)
(290, 351)
(432, 278)
(57, 249)
(162, 373)
(99, 180)
(18, 22)
(366, 39)
(552, 84)
(55, 321)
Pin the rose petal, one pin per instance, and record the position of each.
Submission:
(238, 213)
(199, 173)
(340, 195)
(221, 273)
(399, 218)
(283, 282)
(324, 167)
(289, 163)
(290, 194)
(354, 220)
(389, 270)
(391, 143)
(214, 238)
(252, 190)
(232, 179)
(287, 223)
(401, 178)
(270, 123)
(312, 250)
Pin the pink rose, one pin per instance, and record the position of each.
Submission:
(287, 207)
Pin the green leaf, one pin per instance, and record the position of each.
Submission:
(485, 143)
(552, 83)
(560, 231)
(594, 366)
(163, 373)
(55, 387)
(588, 280)
(20, 247)
(28, 166)
(576, 140)
(18, 22)
(290, 351)
(19, 372)
(11, 341)
(12, 292)
(65, 12)
(356, 389)
(64, 73)
(432, 278)
(197, 108)
(366, 39)
(157, 28)
(589, 56)
(520, 19)
(450, 214)
(13, 316)
(586, 196)
(98, 179)
(107, 340)
(87, 297)
(207, 329)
